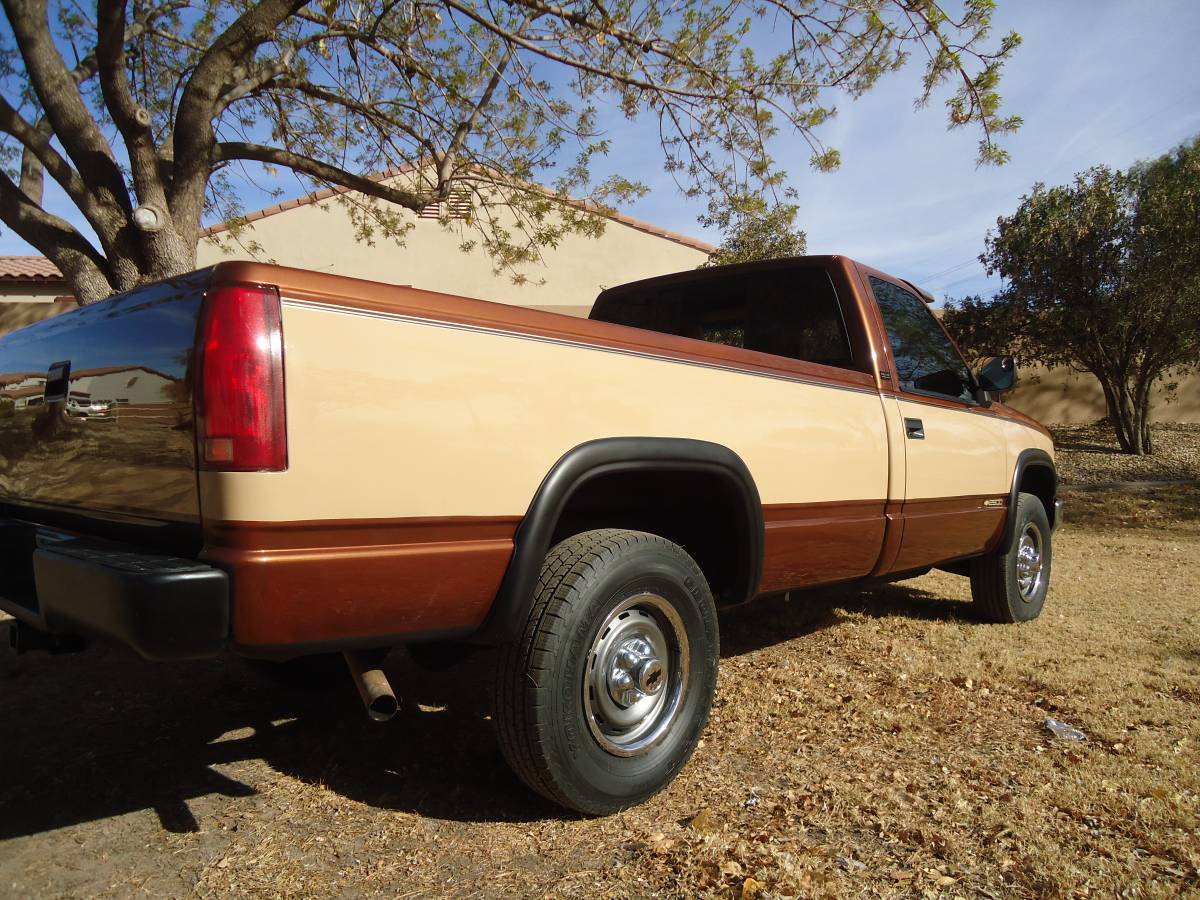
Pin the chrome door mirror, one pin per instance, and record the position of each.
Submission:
(998, 373)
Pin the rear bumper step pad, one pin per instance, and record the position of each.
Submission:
(162, 607)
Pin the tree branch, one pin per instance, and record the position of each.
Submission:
(37, 145)
(373, 113)
(80, 136)
(572, 62)
(227, 151)
(466, 126)
(85, 69)
(58, 92)
(131, 120)
(194, 136)
(255, 82)
(74, 255)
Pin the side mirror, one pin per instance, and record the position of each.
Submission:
(998, 373)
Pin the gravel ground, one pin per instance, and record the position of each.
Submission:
(862, 744)
(1089, 454)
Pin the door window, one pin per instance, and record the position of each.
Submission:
(926, 360)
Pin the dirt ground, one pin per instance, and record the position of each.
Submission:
(862, 744)
(1089, 454)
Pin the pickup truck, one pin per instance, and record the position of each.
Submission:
(299, 464)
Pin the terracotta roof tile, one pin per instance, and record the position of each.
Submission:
(28, 268)
(306, 200)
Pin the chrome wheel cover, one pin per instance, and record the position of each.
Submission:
(1030, 554)
(636, 676)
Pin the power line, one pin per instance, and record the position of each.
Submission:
(946, 287)
(948, 271)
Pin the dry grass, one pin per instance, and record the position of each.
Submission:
(862, 745)
(1153, 506)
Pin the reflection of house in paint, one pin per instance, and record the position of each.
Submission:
(23, 388)
(91, 390)
(123, 385)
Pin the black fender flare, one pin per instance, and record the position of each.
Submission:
(606, 456)
(1027, 459)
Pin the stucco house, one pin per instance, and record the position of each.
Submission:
(316, 232)
(29, 279)
(126, 391)
(31, 289)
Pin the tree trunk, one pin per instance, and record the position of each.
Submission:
(1129, 412)
(1110, 401)
(87, 285)
(1141, 399)
(164, 255)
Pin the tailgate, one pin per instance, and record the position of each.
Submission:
(96, 414)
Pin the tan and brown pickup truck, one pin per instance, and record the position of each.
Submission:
(280, 463)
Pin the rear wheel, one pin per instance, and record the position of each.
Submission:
(602, 700)
(1011, 587)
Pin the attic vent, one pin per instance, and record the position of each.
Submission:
(457, 207)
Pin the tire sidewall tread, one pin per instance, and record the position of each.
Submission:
(538, 690)
(994, 587)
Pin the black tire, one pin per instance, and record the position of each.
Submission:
(552, 726)
(997, 579)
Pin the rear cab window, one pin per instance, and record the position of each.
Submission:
(790, 312)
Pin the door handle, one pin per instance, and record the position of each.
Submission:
(914, 429)
(58, 382)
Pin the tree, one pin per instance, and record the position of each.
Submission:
(1102, 275)
(152, 114)
(754, 231)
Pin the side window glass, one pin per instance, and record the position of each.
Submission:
(926, 361)
(798, 316)
(793, 313)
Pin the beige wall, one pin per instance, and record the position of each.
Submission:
(320, 236)
(32, 291)
(1060, 396)
(23, 303)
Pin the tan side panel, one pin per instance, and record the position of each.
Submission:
(1019, 438)
(392, 418)
(963, 454)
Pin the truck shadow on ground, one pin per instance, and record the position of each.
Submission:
(102, 733)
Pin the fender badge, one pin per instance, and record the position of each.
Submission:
(992, 503)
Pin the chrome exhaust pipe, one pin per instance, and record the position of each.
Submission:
(373, 686)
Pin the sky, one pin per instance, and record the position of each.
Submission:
(1096, 81)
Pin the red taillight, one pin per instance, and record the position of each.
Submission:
(241, 422)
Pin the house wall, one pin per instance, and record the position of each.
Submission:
(1060, 396)
(320, 236)
(31, 291)
(25, 302)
